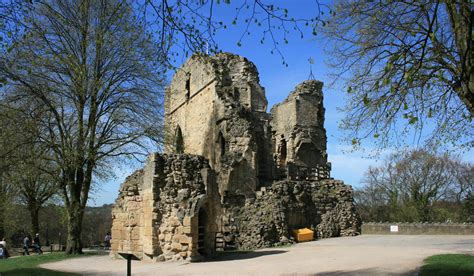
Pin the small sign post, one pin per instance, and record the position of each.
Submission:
(129, 257)
(393, 228)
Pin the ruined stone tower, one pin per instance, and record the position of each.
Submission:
(215, 107)
(232, 176)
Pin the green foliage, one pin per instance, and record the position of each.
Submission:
(448, 264)
(468, 207)
(97, 222)
(417, 186)
(30, 169)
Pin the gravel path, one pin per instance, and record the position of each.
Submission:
(362, 255)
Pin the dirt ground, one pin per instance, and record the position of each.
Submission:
(362, 255)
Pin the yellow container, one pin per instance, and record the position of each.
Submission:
(303, 234)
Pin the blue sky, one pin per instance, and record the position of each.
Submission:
(279, 81)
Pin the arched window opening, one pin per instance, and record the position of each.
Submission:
(188, 87)
(236, 93)
(221, 142)
(178, 141)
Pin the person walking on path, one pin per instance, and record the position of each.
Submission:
(26, 245)
(107, 239)
(3, 249)
(37, 244)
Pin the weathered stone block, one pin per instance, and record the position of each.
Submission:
(187, 221)
(176, 247)
(184, 239)
(187, 230)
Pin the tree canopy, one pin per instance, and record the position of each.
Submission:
(31, 171)
(97, 76)
(408, 66)
(417, 186)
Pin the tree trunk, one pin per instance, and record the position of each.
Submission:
(2, 218)
(3, 206)
(34, 214)
(74, 229)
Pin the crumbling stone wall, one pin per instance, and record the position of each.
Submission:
(167, 228)
(325, 206)
(126, 215)
(182, 195)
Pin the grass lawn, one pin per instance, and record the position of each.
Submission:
(448, 264)
(28, 265)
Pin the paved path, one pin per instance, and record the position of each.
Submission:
(362, 255)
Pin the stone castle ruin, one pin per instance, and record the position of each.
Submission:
(232, 176)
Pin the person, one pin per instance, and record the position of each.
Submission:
(3, 249)
(2, 252)
(26, 245)
(107, 239)
(37, 244)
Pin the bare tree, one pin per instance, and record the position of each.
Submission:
(409, 69)
(410, 185)
(95, 70)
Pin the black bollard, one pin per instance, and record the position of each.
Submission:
(129, 257)
(129, 265)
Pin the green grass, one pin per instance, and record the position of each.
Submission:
(28, 265)
(448, 264)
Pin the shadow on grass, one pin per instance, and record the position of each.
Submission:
(446, 270)
(241, 255)
(29, 265)
(34, 271)
(364, 272)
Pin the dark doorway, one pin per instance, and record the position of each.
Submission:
(202, 221)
